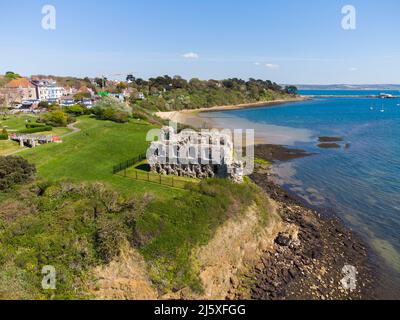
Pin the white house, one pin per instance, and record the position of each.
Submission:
(48, 90)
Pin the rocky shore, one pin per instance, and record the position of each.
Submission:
(312, 262)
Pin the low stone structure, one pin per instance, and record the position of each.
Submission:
(33, 140)
(205, 154)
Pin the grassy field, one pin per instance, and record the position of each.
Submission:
(16, 122)
(8, 147)
(141, 171)
(91, 154)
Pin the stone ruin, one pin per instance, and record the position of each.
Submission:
(192, 154)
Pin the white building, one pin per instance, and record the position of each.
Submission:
(48, 90)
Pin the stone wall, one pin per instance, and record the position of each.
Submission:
(205, 154)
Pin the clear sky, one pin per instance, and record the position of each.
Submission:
(287, 41)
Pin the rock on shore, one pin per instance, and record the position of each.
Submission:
(309, 263)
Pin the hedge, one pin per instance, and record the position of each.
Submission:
(38, 129)
(34, 125)
(3, 136)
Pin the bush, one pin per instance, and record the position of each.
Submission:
(111, 109)
(30, 125)
(43, 104)
(55, 118)
(14, 170)
(74, 227)
(82, 95)
(76, 110)
(37, 129)
(169, 231)
(3, 136)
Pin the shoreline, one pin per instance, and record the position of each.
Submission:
(312, 268)
(192, 117)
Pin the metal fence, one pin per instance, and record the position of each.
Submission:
(128, 163)
(169, 181)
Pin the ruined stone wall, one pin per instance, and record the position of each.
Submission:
(194, 154)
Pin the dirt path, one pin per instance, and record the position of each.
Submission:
(71, 126)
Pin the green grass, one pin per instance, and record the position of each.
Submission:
(71, 227)
(141, 171)
(91, 154)
(7, 147)
(169, 231)
(16, 122)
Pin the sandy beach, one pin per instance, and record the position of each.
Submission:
(194, 119)
(263, 133)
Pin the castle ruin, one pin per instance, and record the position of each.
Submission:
(202, 155)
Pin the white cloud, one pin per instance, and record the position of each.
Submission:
(191, 55)
(257, 63)
(353, 69)
(272, 66)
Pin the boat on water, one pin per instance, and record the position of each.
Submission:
(386, 96)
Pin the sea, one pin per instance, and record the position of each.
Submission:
(359, 182)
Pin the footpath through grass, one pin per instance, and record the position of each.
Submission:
(90, 155)
(16, 123)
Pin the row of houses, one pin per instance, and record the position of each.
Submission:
(26, 93)
(22, 89)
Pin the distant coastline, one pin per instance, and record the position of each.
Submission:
(192, 117)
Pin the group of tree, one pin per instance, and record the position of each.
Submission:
(176, 93)
(56, 118)
(109, 108)
(14, 170)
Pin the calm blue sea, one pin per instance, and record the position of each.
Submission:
(348, 92)
(361, 183)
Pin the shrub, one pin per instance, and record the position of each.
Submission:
(111, 109)
(74, 227)
(14, 170)
(82, 95)
(37, 129)
(76, 110)
(43, 104)
(169, 231)
(3, 136)
(55, 118)
(30, 125)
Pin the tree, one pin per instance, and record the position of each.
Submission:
(82, 95)
(4, 110)
(130, 78)
(55, 118)
(109, 108)
(121, 87)
(14, 170)
(76, 110)
(43, 104)
(11, 75)
(291, 90)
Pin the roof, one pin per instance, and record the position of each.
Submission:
(19, 83)
(84, 89)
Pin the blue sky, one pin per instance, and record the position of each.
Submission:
(287, 41)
